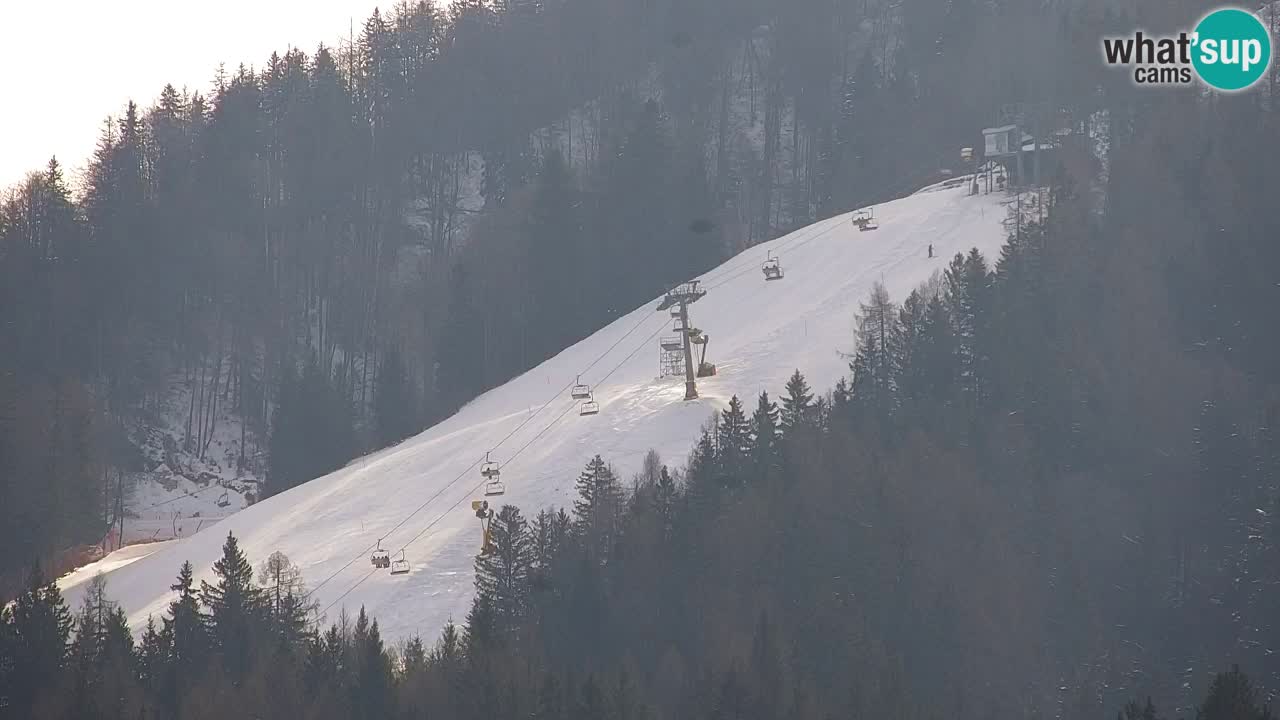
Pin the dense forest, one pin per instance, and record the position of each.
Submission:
(1048, 485)
(241, 647)
(1002, 509)
(345, 245)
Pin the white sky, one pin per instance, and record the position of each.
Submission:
(67, 64)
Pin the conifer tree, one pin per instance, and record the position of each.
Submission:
(233, 606)
(481, 628)
(503, 573)
(796, 404)
(184, 624)
(448, 649)
(766, 451)
(102, 655)
(666, 495)
(1232, 696)
(910, 342)
(153, 659)
(325, 665)
(733, 443)
(371, 689)
(968, 286)
(40, 629)
(548, 538)
(414, 661)
(701, 487)
(598, 508)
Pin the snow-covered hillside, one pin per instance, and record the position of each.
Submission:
(416, 495)
(181, 489)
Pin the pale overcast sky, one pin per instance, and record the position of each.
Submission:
(67, 64)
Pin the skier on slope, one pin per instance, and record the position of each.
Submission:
(930, 249)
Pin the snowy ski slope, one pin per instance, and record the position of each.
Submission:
(759, 333)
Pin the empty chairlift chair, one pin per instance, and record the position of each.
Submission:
(590, 407)
(380, 558)
(492, 475)
(224, 499)
(580, 391)
(865, 219)
(400, 566)
(771, 268)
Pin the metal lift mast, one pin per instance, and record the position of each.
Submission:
(682, 296)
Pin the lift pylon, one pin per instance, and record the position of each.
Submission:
(679, 298)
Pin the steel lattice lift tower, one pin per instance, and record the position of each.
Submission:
(679, 298)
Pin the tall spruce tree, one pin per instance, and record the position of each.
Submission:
(597, 511)
(504, 571)
(797, 405)
(766, 450)
(233, 607)
(40, 630)
(968, 286)
(734, 444)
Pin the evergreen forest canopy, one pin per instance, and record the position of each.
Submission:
(343, 246)
(1048, 484)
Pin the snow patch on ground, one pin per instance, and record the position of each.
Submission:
(182, 489)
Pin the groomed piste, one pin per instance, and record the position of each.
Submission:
(415, 497)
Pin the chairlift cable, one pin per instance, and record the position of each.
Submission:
(516, 454)
(473, 465)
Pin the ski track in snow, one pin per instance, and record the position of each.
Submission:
(759, 334)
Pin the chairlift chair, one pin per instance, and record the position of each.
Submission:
(580, 391)
(400, 566)
(772, 269)
(705, 369)
(865, 219)
(224, 499)
(492, 474)
(380, 558)
(671, 343)
(590, 407)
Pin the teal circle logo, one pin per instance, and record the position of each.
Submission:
(1231, 49)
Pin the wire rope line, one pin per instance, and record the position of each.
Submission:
(500, 443)
(785, 245)
(427, 528)
(798, 241)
